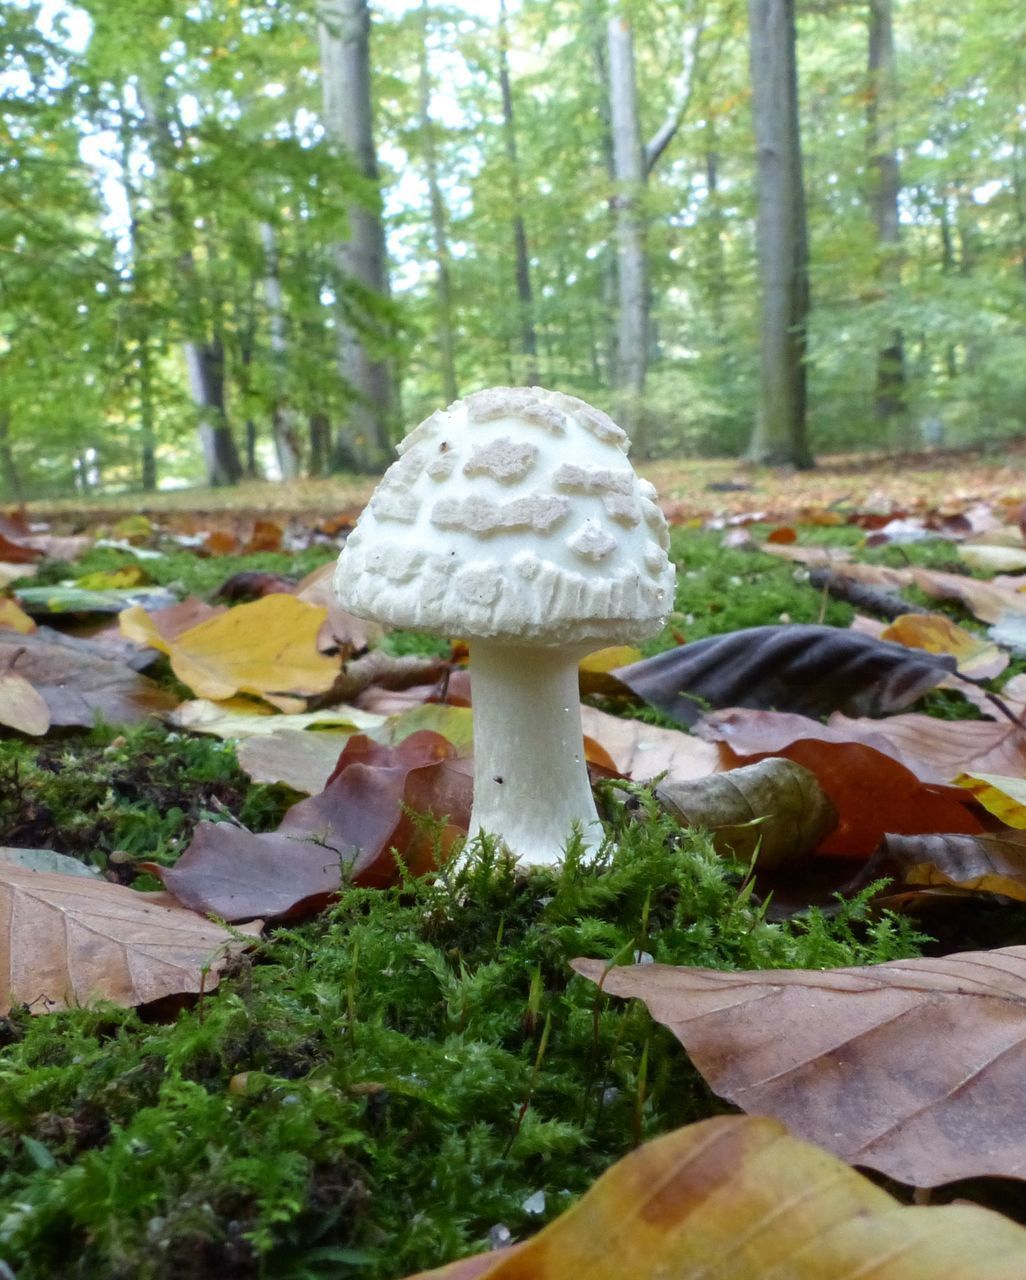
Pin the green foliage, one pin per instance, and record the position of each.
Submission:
(381, 1087)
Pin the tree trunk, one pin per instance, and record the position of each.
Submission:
(320, 444)
(344, 28)
(891, 406)
(525, 297)
(8, 466)
(283, 425)
(205, 362)
(632, 279)
(204, 355)
(780, 430)
(443, 282)
(147, 418)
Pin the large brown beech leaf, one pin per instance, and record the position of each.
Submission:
(735, 1198)
(914, 1068)
(362, 814)
(67, 941)
(809, 669)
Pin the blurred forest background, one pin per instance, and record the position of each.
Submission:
(265, 238)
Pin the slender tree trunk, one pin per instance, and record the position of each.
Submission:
(204, 354)
(631, 268)
(147, 418)
(8, 466)
(344, 28)
(283, 424)
(780, 430)
(443, 281)
(205, 362)
(320, 444)
(525, 296)
(139, 319)
(891, 407)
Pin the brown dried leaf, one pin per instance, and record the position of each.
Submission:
(354, 823)
(643, 751)
(775, 808)
(78, 684)
(736, 1198)
(913, 1068)
(986, 864)
(66, 941)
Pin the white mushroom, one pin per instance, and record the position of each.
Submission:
(514, 520)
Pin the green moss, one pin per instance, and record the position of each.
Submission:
(384, 1085)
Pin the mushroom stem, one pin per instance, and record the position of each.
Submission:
(530, 779)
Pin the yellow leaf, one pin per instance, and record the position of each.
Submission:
(129, 575)
(938, 634)
(596, 670)
(14, 618)
(1004, 797)
(266, 647)
(737, 1198)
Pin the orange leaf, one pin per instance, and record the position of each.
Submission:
(735, 1198)
(936, 633)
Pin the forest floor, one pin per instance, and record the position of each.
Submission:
(406, 1069)
(689, 487)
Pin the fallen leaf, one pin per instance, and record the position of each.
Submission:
(364, 812)
(129, 575)
(1001, 796)
(986, 601)
(991, 863)
(454, 723)
(14, 618)
(809, 669)
(913, 1068)
(46, 860)
(241, 718)
(251, 584)
(848, 772)
(737, 1198)
(12, 572)
(301, 760)
(79, 685)
(775, 809)
(822, 557)
(42, 601)
(67, 942)
(342, 630)
(21, 707)
(139, 625)
(644, 751)
(267, 647)
(934, 750)
(595, 673)
(936, 633)
(992, 558)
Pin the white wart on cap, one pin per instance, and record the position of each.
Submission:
(512, 515)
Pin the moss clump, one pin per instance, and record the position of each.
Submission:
(380, 1088)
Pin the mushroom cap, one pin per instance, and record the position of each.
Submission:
(512, 515)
